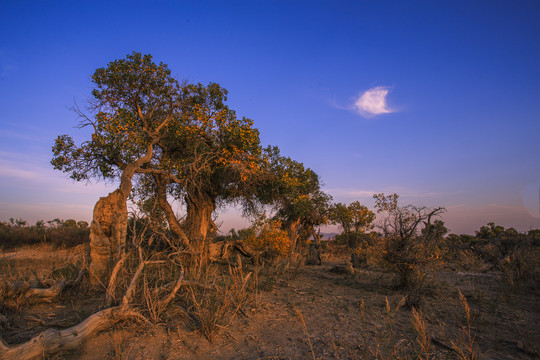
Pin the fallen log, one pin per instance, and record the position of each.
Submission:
(225, 250)
(11, 294)
(53, 340)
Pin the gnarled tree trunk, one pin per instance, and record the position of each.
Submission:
(52, 340)
(107, 234)
(109, 226)
(174, 225)
(199, 218)
(292, 232)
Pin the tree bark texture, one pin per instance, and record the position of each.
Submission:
(174, 225)
(292, 232)
(53, 340)
(107, 234)
(109, 225)
(199, 218)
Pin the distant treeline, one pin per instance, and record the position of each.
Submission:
(57, 232)
(69, 233)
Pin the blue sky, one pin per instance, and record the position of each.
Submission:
(437, 101)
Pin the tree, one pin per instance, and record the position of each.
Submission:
(341, 214)
(362, 218)
(295, 194)
(219, 156)
(492, 231)
(353, 216)
(207, 159)
(134, 102)
(437, 230)
(409, 246)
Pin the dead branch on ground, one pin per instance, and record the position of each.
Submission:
(12, 294)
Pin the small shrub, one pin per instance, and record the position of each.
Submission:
(518, 268)
(214, 303)
(470, 261)
(267, 237)
(410, 240)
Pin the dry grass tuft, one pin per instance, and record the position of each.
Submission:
(465, 349)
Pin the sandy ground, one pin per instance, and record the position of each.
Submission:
(315, 313)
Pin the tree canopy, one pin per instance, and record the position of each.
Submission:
(168, 138)
(295, 193)
(353, 216)
(133, 100)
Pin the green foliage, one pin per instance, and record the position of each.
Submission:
(516, 255)
(200, 151)
(211, 154)
(340, 213)
(353, 216)
(362, 217)
(492, 244)
(295, 193)
(385, 202)
(492, 231)
(132, 99)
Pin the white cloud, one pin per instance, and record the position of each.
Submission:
(373, 102)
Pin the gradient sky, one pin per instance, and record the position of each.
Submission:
(438, 101)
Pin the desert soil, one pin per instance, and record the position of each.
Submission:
(311, 313)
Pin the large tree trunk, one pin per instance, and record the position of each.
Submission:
(174, 225)
(107, 234)
(199, 218)
(304, 232)
(109, 225)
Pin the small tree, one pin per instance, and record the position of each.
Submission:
(409, 244)
(295, 193)
(354, 216)
(342, 215)
(362, 218)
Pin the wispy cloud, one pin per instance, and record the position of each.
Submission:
(373, 102)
